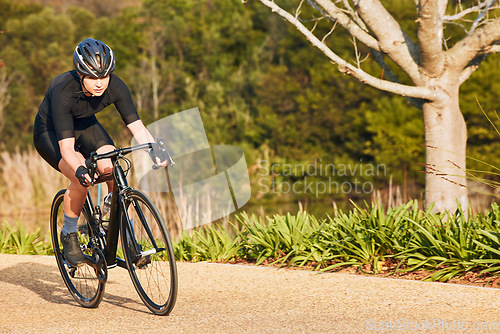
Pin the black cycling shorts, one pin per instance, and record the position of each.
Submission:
(87, 140)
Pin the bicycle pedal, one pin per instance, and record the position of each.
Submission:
(143, 261)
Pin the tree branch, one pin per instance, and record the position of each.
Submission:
(480, 17)
(474, 63)
(481, 42)
(493, 49)
(430, 36)
(378, 56)
(392, 39)
(463, 13)
(348, 23)
(471, 67)
(346, 68)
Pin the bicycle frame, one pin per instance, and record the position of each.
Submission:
(117, 202)
(133, 218)
(94, 216)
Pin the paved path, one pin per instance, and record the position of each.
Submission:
(216, 298)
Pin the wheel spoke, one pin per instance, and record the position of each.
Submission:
(156, 281)
(82, 282)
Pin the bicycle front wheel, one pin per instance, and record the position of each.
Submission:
(149, 253)
(85, 283)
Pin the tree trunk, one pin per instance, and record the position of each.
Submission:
(4, 95)
(445, 138)
(154, 78)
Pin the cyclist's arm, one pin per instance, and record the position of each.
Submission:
(140, 133)
(123, 102)
(143, 136)
(126, 108)
(69, 155)
(122, 98)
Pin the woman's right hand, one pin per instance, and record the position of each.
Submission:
(82, 174)
(75, 161)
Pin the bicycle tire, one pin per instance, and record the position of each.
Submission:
(84, 283)
(154, 278)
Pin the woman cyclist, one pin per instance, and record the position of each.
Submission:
(66, 130)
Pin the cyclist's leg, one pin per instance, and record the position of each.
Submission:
(47, 146)
(95, 138)
(75, 194)
(105, 166)
(74, 198)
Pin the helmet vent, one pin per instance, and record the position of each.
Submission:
(98, 59)
(87, 52)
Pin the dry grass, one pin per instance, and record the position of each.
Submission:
(27, 185)
(168, 210)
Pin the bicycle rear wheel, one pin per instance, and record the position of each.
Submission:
(85, 283)
(149, 253)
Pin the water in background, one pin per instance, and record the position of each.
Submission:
(321, 209)
(33, 219)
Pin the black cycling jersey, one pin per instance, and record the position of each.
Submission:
(66, 112)
(66, 108)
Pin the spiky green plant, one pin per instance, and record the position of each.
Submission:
(207, 244)
(277, 239)
(16, 240)
(447, 245)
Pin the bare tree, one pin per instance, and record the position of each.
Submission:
(436, 69)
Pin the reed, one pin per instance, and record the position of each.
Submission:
(27, 185)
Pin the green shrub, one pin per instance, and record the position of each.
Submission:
(374, 240)
(15, 240)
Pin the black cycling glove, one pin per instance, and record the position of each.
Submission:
(80, 175)
(158, 152)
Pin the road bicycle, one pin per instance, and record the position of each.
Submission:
(134, 231)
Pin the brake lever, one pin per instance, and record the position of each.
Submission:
(92, 176)
(171, 161)
(91, 164)
(161, 145)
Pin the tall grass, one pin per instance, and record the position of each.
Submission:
(28, 184)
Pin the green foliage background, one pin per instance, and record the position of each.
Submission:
(257, 82)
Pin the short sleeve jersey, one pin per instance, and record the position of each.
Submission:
(66, 108)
